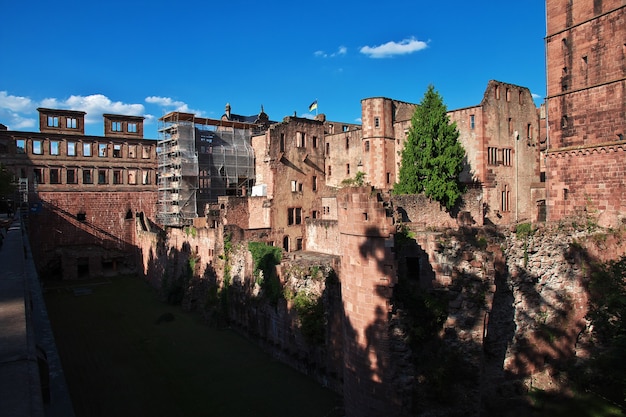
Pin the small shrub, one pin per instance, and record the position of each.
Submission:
(523, 230)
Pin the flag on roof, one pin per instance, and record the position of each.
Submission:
(313, 106)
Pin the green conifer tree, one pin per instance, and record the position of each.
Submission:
(432, 158)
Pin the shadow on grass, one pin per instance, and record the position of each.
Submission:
(122, 358)
(579, 405)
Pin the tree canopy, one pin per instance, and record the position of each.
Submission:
(432, 158)
(7, 187)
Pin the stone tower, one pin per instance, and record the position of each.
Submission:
(586, 109)
(368, 274)
(378, 140)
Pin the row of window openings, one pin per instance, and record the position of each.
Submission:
(72, 123)
(508, 94)
(297, 187)
(301, 141)
(497, 156)
(294, 214)
(71, 176)
(72, 149)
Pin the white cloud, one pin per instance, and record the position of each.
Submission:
(536, 96)
(15, 103)
(172, 105)
(390, 49)
(11, 109)
(342, 50)
(95, 106)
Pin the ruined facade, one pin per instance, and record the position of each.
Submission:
(83, 194)
(586, 109)
(501, 138)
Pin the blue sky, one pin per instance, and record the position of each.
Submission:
(149, 58)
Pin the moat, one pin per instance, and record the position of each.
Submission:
(125, 353)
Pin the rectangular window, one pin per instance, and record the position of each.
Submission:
(145, 178)
(347, 142)
(492, 156)
(376, 122)
(314, 181)
(290, 216)
(70, 176)
(54, 147)
(510, 126)
(367, 146)
(389, 178)
(300, 139)
(87, 179)
(529, 131)
(86, 149)
(37, 147)
(132, 151)
(506, 157)
(38, 174)
(294, 186)
(472, 122)
(505, 198)
(117, 176)
(327, 148)
(282, 142)
(117, 151)
(145, 153)
(102, 176)
(53, 121)
(102, 150)
(116, 126)
(21, 145)
(132, 176)
(71, 148)
(314, 142)
(298, 215)
(347, 169)
(55, 176)
(71, 123)
(330, 170)
(132, 128)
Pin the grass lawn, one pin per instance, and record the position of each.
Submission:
(119, 362)
(580, 405)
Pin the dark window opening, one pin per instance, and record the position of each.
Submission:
(82, 267)
(55, 176)
(87, 176)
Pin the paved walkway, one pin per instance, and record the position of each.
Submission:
(26, 340)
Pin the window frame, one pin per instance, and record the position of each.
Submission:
(116, 126)
(53, 121)
(55, 175)
(74, 178)
(55, 148)
(102, 176)
(37, 144)
(87, 176)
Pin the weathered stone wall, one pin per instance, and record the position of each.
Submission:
(105, 235)
(588, 182)
(367, 278)
(420, 211)
(586, 108)
(322, 236)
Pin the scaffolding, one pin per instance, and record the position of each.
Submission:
(200, 160)
(178, 171)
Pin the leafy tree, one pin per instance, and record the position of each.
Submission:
(7, 187)
(432, 158)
